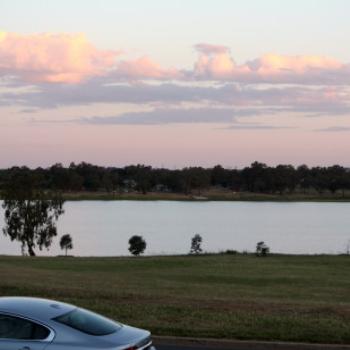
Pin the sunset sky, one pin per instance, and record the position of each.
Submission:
(174, 83)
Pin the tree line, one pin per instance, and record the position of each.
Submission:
(256, 178)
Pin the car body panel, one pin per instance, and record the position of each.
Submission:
(62, 336)
(22, 345)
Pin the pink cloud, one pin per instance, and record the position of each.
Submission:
(145, 68)
(71, 58)
(272, 64)
(216, 63)
(54, 58)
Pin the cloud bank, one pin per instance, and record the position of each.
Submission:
(216, 63)
(71, 58)
(48, 70)
(52, 58)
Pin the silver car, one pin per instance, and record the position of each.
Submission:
(38, 324)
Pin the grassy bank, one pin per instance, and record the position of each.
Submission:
(289, 298)
(211, 196)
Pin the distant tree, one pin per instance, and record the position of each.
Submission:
(30, 212)
(107, 182)
(143, 176)
(91, 175)
(66, 243)
(304, 177)
(256, 177)
(220, 176)
(262, 249)
(59, 177)
(75, 181)
(284, 178)
(137, 245)
(319, 178)
(235, 180)
(335, 176)
(195, 178)
(196, 243)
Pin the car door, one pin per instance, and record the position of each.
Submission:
(17, 333)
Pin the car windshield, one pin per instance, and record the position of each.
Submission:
(88, 322)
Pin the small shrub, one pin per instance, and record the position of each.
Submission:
(137, 245)
(66, 243)
(196, 243)
(262, 249)
(231, 252)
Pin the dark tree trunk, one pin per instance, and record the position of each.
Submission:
(31, 251)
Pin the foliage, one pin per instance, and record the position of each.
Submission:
(30, 212)
(196, 243)
(231, 252)
(257, 178)
(66, 243)
(137, 245)
(262, 249)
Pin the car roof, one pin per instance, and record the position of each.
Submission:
(34, 308)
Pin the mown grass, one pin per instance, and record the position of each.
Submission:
(285, 298)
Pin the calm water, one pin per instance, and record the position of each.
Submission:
(104, 227)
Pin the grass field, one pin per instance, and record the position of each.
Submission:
(286, 298)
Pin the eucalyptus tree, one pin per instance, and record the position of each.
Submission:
(31, 213)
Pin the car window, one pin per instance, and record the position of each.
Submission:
(88, 322)
(18, 328)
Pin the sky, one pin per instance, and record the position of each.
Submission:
(174, 83)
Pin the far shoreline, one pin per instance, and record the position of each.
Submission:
(205, 197)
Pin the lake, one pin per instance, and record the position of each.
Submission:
(104, 227)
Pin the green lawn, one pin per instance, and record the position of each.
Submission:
(288, 298)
